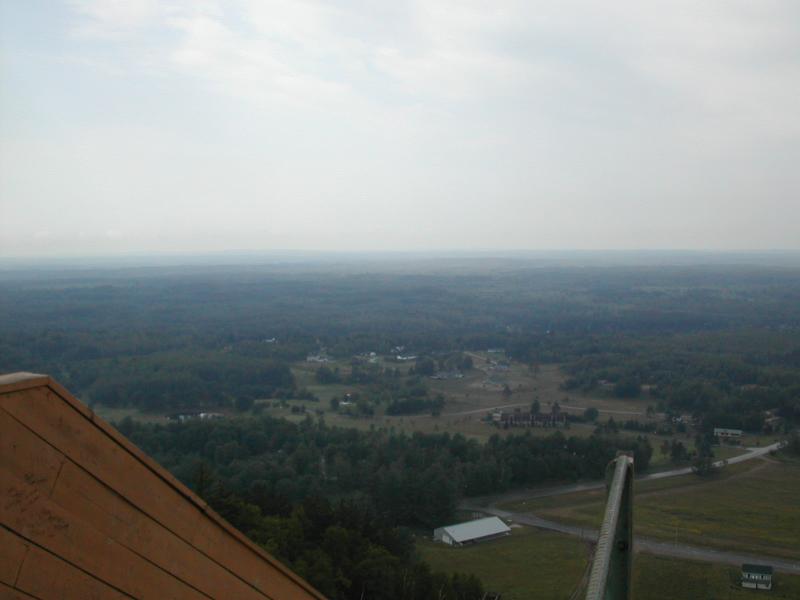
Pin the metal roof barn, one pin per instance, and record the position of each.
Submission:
(471, 531)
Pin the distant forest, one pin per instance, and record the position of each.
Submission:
(721, 342)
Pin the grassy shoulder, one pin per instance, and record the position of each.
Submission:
(527, 564)
(750, 507)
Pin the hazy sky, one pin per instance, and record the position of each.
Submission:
(188, 125)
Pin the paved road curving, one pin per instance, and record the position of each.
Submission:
(488, 505)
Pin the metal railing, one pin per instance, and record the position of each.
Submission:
(610, 577)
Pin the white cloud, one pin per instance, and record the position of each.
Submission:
(115, 18)
(721, 59)
(569, 122)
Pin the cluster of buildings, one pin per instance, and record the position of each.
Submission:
(447, 375)
(367, 357)
(188, 416)
(318, 358)
(500, 366)
(520, 418)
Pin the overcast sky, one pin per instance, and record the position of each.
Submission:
(188, 125)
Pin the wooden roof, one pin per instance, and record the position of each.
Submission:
(86, 514)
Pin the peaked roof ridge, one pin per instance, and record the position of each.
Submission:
(490, 517)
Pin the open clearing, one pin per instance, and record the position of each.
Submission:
(535, 564)
(663, 578)
(750, 507)
(527, 564)
(468, 400)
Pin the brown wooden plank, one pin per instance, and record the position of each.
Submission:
(9, 593)
(82, 495)
(12, 553)
(47, 576)
(77, 438)
(26, 456)
(26, 511)
(250, 565)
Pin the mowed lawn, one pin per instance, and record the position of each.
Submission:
(662, 578)
(527, 564)
(534, 564)
(752, 507)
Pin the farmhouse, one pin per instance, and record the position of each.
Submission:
(721, 432)
(471, 531)
(757, 577)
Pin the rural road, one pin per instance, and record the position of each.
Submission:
(606, 411)
(487, 409)
(543, 492)
(487, 504)
(647, 544)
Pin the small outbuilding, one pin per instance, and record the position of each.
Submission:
(757, 577)
(471, 531)
(722, 432)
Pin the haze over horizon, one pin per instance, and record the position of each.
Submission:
(145, 126)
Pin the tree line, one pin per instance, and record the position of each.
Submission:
(337, 504)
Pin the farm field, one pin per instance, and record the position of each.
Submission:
(738, 509)
(527, 564)
(546, 565)
(467, 400)
(662, 578)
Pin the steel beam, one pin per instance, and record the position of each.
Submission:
(610, 577)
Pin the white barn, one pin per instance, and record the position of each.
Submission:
(471, 531)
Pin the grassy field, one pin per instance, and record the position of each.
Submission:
(535, 564)
(468, 400)
(750, 506)
(527, 564)
(661, 462)
(116, 414)
(596, 498)
(662, 578)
